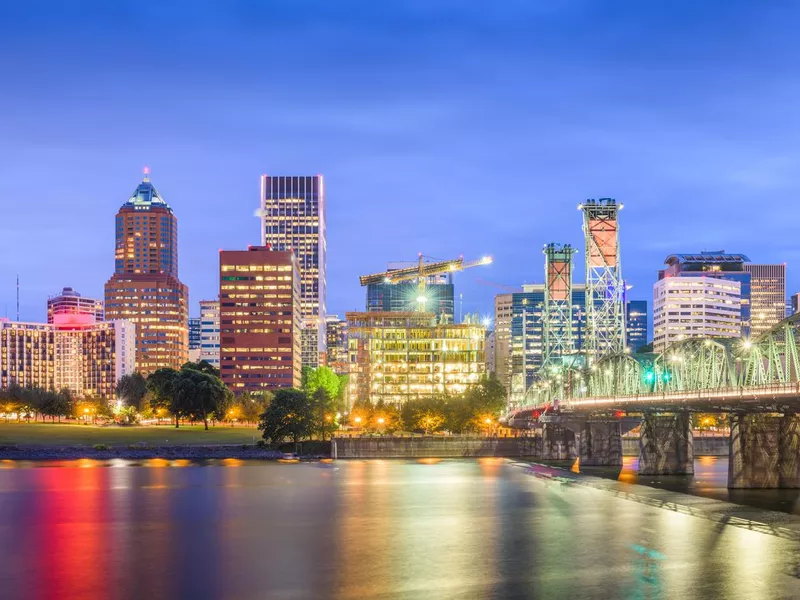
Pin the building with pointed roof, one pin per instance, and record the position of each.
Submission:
(145, 288)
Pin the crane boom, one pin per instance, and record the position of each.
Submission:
(421, 272)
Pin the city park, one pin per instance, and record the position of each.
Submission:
(191, 406)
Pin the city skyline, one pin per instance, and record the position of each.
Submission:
(452, 153)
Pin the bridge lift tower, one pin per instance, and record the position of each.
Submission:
(558, 339)
(605, 289)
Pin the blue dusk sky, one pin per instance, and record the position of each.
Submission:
(441, 127)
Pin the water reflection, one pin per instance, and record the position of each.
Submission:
(361, 529)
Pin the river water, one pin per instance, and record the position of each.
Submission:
(377, 529)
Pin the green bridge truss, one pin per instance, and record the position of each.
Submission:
(690, 365)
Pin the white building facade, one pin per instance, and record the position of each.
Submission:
(685, 307)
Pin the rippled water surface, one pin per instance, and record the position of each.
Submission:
(360, 529)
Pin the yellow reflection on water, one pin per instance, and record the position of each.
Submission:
(181, 462)
(429, 461)
(157, 462)
(232, 462)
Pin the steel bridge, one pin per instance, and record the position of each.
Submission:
(756, 382)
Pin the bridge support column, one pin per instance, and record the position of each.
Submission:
(558, 442)
(764, 451)
(601, 444)
(665, 445)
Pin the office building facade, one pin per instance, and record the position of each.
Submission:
(71, 302)
(399, 356)
(636, 324)
(767, 296)
(716, 264)
(686, 307)
(502, 338)
(402, 296)
(527, 334)
(260, 317)
(336, 332)
(145, 288)
(209, 332)
(293, 219)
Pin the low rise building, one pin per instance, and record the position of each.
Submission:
(399, 356)
(74, 352)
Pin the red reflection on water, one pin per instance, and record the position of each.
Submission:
(72, 545)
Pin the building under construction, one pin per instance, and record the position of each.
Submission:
(398, 356)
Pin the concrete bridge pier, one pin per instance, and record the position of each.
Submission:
(764, 451)
(558, 442)
(601, 444)
(665, 444)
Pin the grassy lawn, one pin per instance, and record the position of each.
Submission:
(62, 434)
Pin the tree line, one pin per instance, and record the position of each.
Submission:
(32, 403)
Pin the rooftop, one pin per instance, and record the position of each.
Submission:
(146, 195)
(706, 257)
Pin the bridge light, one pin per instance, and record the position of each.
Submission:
(666, 376)
(649, 376)
(747, 344)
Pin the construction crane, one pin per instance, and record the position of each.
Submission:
(421, 272)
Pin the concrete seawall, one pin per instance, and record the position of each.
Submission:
(433, 447)
(465, 447)
(703, 446)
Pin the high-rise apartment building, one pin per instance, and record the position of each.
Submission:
(260, 316)
(395, 357)
(71, 302)
(527, 334)
(701, 306)
(767, 296)
(145, 288)
(491, 349)
(209, 332)
(502, 339)
(719, 265)
(74, 352)
(636, 324)
(336, 332)
(293, 218)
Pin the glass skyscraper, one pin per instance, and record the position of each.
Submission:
(293, 218)
(402, 297)
(527, 333)
(636, 324)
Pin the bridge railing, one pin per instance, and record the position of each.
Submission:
(774, 391)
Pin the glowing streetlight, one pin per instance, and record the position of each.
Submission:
(380, 420)
(357, 420)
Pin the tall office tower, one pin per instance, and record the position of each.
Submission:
(194, 339)
(293, 218)
(605, 288)
(716, 264)
(636, 324)
(399, 356)
(259, 316)
(527, 334)
(73, 352)
(209, 331)
(336, 332)
(403, 296)
(685, 307)
(502, 339)
(767, 296)
(145, 288)
(71, 302)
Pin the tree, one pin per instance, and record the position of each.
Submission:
(324, 411)
(203, 366)
(161, 385)
(321, 377)
(289, 415)
(200, 395)
(430, 420)
(361, 414)
(132, 389)
(385, 417)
